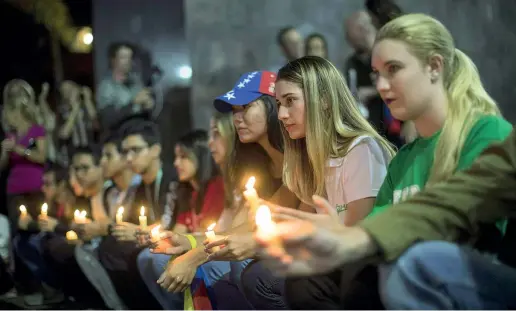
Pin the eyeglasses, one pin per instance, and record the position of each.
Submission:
(81, 168)
(136, 150)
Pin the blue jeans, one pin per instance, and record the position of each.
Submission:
(262, 289)
(151, 267)
(444, 276)
(227, 291)
(29, 249)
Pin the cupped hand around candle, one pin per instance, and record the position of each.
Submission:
(178, 274)
(47, 224)
(171, 243)
(125, 231)
(23, 222)
(232, 247)
(309, 248)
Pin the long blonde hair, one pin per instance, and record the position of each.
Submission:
(27, 108)
(333, 121)
(467, 98)
(226, 128)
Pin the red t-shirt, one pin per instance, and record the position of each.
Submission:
(212, 207)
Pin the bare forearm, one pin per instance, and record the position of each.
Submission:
(66, 129)
(36, 156)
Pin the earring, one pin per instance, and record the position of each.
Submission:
(435, 76)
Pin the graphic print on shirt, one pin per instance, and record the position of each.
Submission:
(405, 193)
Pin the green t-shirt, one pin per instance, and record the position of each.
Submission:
(410, 169)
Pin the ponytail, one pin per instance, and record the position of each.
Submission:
(467, 102)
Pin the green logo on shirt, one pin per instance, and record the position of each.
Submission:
(341, 208)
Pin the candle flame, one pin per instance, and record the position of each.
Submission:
(77, 213)
(155, 231)
(83, 214)
(44, 208)
(263, 217)
(23, 209)
(250, 183)
(211, 227)
(142, 211)
(120, 210)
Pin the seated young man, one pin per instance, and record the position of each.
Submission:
(119, 195)
(33, 231)
(141, 148)
(60, 254)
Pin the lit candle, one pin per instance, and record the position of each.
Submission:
(79, 217)
(250, 194)
(265, 227)
(120, 215)
(71, 235)
(155, 234)
(23, 211)
(143, 218)
(44, 210)
(210, 235)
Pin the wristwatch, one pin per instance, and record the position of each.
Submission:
(27, 152)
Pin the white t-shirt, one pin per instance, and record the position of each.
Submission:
(358, 175)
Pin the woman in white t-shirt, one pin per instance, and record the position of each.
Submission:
(330, 148)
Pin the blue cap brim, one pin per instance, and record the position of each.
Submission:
(241, 98)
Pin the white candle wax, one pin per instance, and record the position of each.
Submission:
(211, 237)
(120, 215)
(251, 195)
(143, 218)
(44, 210)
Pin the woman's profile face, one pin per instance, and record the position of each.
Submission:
(217, 143)
(185, 167)
(250, 122)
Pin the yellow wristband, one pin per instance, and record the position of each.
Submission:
(193, 244)
(193, 241)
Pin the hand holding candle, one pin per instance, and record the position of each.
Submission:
(250, 194)
(143, 218)
(211, 237)
(23, 211)
(120, 215)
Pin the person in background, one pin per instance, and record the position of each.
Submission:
(59, 253)
(78, 119)
(48, 120)
(360, 34)
(29, 247)
(290, 42)
(121, 94)
(382, 11)
(316, 45)
(331, 151)
(23, 150)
